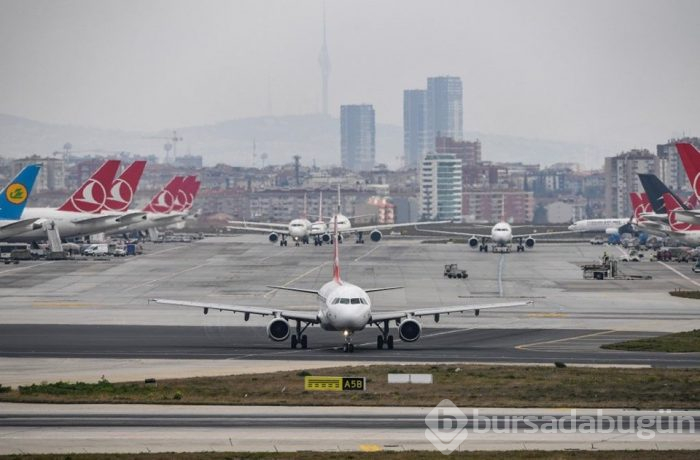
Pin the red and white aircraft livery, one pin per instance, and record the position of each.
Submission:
(690, 156)
(89, 210)
(169, 206)
(688, 233)
(343, 307)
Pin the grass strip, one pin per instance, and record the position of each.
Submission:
(681, 342)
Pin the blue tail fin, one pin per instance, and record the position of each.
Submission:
(14, 196)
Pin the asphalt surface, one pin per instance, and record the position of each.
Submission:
(251, 343)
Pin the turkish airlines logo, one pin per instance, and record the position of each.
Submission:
(164, 202)
(90, 198)
(180, 200)
(696, 188)
(120, 196)
(676, 224)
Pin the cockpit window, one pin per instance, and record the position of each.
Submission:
(355, 301)
(345, 301)
(336, 300)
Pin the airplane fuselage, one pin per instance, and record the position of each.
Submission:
(343, 307)
(502, 234)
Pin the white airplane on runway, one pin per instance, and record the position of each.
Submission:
(501, 236)
(345, 308)
(608, 226)
(298, 230)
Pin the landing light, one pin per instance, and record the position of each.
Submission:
(346, 333)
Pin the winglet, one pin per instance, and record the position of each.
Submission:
(91, 196)
(13, 198)
(336, 252)
(123, 189)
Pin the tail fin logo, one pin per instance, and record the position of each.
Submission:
(164, 202)
(16, 193)
(120, 196)
(90, 198)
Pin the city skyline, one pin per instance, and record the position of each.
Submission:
(565, 72)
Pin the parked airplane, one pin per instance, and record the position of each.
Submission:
(609, 226)
(345, 308)
(13, 199)
(688, 233)
(81, 214)
(690, 157)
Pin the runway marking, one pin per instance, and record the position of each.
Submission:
(679, 273)
(500, 274)
(370, 448)
(565, 339)
(547, 315)
(158, 252)
(46, 304)
(367, 253)
(267, 294)
(172, 275)
(27, 267)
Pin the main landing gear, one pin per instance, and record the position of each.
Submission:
(385, 338)
(359, 239)
(283, 240)
(300, 338)
(318, 241)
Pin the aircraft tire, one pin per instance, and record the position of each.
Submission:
(380, 342)
(304, 342)
(294, 341)
(390, 342)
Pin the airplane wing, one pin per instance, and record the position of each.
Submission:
(259, 229)
(538, 235)
(285, 288)
(305, 316)
(16, 227)
(369, 228)
(266, 224)
(444, 232)
(399, 315)
(96, 219)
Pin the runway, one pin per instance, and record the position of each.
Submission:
(37, 428)
(574, 346)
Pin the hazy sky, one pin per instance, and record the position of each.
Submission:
(615, 73)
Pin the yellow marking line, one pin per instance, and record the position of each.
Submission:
(679, 273)
(547, 315)
(172, 275)
(565, 339)
(367, 253)
(370, 448)
(27, 267)
(267, 294)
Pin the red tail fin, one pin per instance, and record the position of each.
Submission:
(692, 201)
(164, 200)
(91, 196)
(182, 196)
(336, 252)
(640, 204)
(672, 205)
(691, 163)
(123, 189)
(193, 193)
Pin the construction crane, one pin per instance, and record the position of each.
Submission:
(170, 145)
(68, 150)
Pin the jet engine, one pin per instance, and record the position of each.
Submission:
(409, 330)
(326, 238)
(273, 237)
(473, 242)
(278, 329)
(375, 235)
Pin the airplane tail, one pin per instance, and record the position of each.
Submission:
(123, 189)
(13, 198)
(690, 157)
(640, 204)
(336, 252)
(655, 190)
(182, 195)
(673, 204)
(164, 201)
(92, 195)
(192, 191)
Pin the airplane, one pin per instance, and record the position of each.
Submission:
(609, 226)
(688, 233)
(82, 213)
(13, 199)
(170, 206)
(690, 157)
(298, 230)
(345, 308)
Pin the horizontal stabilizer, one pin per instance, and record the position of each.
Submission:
(285, 288)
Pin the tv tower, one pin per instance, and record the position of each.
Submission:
(325, 63)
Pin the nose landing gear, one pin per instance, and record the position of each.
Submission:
(348, 347)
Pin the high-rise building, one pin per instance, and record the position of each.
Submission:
(467, 151)
(443, 109)
(673, 174)
(357, 137)
(441, 187)
(414, 145)
(621, 179)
